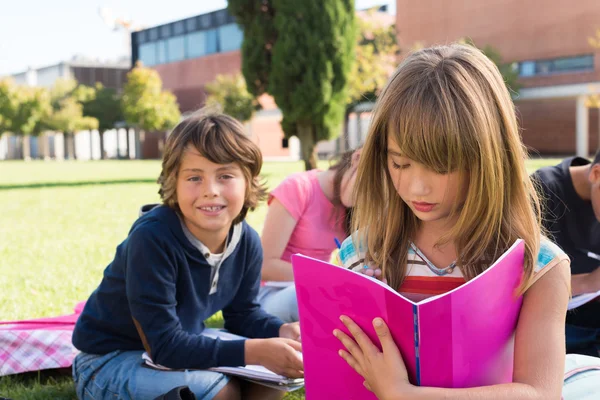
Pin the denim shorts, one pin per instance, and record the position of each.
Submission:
(123, 375)
(280, 302)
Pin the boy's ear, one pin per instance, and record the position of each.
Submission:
(595, 174)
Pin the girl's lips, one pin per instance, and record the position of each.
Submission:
(423, 207)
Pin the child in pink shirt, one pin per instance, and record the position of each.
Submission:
(307, 212)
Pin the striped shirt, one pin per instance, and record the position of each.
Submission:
(423, 281)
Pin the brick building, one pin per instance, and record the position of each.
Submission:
(190, 53)
(545, 40)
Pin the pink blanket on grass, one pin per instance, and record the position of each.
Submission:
(37, 344)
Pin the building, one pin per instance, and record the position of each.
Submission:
(86, 72)
(190, 53)
(545, 40)
(87, 144)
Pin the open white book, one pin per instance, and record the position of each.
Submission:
(581, 299)
(253, 373)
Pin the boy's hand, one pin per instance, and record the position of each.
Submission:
(290, 331)
(282, 356)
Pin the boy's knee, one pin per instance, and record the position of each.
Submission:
(231, 391)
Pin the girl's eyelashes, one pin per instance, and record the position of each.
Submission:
(399, 166)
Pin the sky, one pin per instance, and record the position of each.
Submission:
(38, 33)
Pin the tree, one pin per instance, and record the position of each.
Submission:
(300, 53)
(260, 34)
(67, 116)
(376, 52)
(8, 104)
(33, 109)
(21, 110)
(105, 106)
(145, 105)
(229, 92)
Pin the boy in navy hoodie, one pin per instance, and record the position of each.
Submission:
(182, 262)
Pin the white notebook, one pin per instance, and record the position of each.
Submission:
(254, 373)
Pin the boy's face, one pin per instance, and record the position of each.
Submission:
(210, 197)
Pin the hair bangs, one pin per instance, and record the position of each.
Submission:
(426, 129)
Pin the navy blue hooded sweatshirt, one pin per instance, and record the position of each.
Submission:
(159, 289)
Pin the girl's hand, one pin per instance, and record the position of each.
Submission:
(384, 371)
(372, 272)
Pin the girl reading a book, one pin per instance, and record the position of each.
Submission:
(441, 192)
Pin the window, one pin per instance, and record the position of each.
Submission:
(141, 36)
(212, 45)
(205, 20)
(557, 65)
(161, 53)
(147, 54)
(165, 31)
(153, 34)
(176, 48)
(527, 68)
(195, 44)
(178, 28)
(230, 37)
(190, 24)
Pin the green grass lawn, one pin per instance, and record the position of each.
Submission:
(60, 225)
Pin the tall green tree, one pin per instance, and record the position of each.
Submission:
(229, 92)
(302, 58)
(105, 106)
(257, 18)
(146, 105)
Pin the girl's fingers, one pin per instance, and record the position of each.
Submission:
(348, 343)
(361, 338)
(352, 362)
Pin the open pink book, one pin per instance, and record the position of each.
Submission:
(463, 338)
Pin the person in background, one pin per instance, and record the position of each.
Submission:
(571, 215)
(308, 212)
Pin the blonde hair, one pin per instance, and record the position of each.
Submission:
(221, 139)
(448, 108)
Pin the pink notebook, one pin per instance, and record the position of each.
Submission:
(463, 338)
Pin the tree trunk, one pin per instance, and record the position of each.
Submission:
(26, 147)
(65, 146)
(306, 135)
(128, 145)
(91, 145)
(71, 141)
(345, 139)
(102, 155)
(118, 145)
(140, 136)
